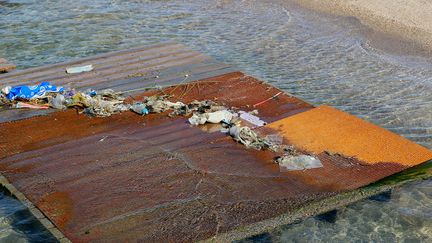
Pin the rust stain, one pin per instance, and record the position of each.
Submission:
(58, 206)
(326, 129)
(59, 127)
(151, 167)
(10, 168)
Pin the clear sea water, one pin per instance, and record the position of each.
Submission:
(319, 58)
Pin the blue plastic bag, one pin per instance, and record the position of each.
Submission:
(30, 92)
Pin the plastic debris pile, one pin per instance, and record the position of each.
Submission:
(230, 121)
(210, 112)
(31, 97)
(159, 104)
(252, 118)
(45, 95)
(101, 104)
(30, 92)
(108, 102)
(249, 138)
(290, 160)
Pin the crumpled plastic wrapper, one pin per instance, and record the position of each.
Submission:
(211, 117)
(300, 162)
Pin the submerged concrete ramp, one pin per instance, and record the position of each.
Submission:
(156, 178)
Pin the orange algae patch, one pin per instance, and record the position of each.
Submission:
(326, 129)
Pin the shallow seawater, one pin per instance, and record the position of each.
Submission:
(402, 216)
(17, 224)
(319, 58)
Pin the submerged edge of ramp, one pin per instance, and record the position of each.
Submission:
(328, 130)
(420, 172)
(34, 211)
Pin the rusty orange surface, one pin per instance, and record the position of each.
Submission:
(326, 129)
(154, 178)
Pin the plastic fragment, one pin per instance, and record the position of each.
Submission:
(211, 117)
(104, 106)
(5, 90)
(254, 112)
(80, 69)
(300, 162)
(69, 93)
(197, 119)
(21, 105)
(58, 102)
(101, 104)
(249, 117)
(218, 116)
(248, 137)
(140, 108)
(92, 93)
(266, 100)
(31, 92)
(159, 104)
(274, 139)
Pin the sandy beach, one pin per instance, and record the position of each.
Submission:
(408, 20)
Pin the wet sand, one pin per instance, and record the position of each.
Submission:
(409, 20)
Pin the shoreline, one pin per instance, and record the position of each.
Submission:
(410, 22)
